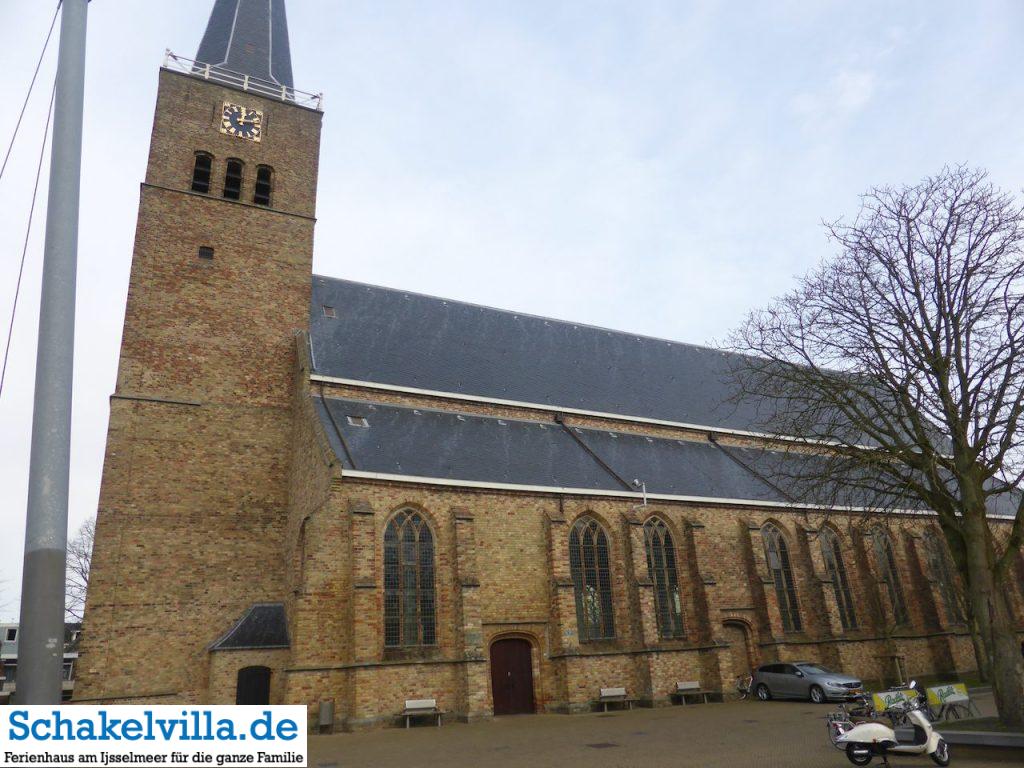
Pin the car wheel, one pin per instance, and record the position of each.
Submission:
(817, 695)
(763, 693)
(941, 754)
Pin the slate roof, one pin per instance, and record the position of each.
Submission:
(262, 626)
(399, 338)
(445, 445)
(249, 37)
(394, 337)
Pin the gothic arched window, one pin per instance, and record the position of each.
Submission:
(591, 579)
(885, 559)
(776, 552)
(661, 567)
(942, 574)
(233, 180)
(409, 618)
(201, 172)
(264, 179)
(832, 554)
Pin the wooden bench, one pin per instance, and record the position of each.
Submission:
(615, 696)
(421, 708)
(691, 688)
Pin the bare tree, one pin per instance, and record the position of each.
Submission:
(905, 355)
(76, 577)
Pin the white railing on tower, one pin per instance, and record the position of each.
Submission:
(218, 74)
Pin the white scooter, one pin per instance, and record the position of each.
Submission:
(865, 741)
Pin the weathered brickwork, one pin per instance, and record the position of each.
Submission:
(225, 665)
(521, 560)
(220, 490)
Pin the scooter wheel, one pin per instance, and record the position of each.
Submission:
(941, 754)
(858, 754)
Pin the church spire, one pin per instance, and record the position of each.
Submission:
(249, 37)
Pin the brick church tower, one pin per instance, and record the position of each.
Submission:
(194, 491)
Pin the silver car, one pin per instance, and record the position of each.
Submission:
(803, 680)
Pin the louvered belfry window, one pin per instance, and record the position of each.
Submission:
(832, 554)
(661, 568)
(233, 180)
(409, 619)
(776, 552)
(942, 575)
(201, 172)
(261, 192)
(591, 577)
(885, 558)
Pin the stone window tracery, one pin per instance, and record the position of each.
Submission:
(409, 605)
(942, 573)
(776, 552)
(835, 567)
(885, 559)
(589, 563)
(661, 567)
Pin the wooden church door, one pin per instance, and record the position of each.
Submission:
(253, 686)
(512, 677)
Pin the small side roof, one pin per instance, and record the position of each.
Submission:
(443, 445)
(263, 625)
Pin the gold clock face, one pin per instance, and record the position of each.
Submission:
(242, 122)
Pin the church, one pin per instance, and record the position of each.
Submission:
(321, 492)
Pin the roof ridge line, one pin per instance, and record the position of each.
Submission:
(560, 321)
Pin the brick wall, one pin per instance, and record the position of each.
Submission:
(521, 566)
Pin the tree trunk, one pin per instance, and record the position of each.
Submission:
(1007, 666)
(993, 618)
(980, 654)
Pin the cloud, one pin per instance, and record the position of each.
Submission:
(847, 92)
(853, 90)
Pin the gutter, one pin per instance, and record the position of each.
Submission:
(604, 493)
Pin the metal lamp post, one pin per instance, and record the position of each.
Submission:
(41, 633)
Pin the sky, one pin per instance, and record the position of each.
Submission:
(655, 167)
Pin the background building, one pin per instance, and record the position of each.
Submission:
(9, 660)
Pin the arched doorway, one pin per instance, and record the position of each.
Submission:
(512, 676)
(253, 686)
(741, 656)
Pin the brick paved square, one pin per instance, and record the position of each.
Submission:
(765, 735)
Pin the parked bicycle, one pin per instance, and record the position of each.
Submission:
(744, 684)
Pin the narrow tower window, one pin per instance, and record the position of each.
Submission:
(885, 559)
(661, 568)
(264, 176)
(776, 551)
(201, 172)
(832, 553)
(591, 578)
(233, 180)
(408, 582)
